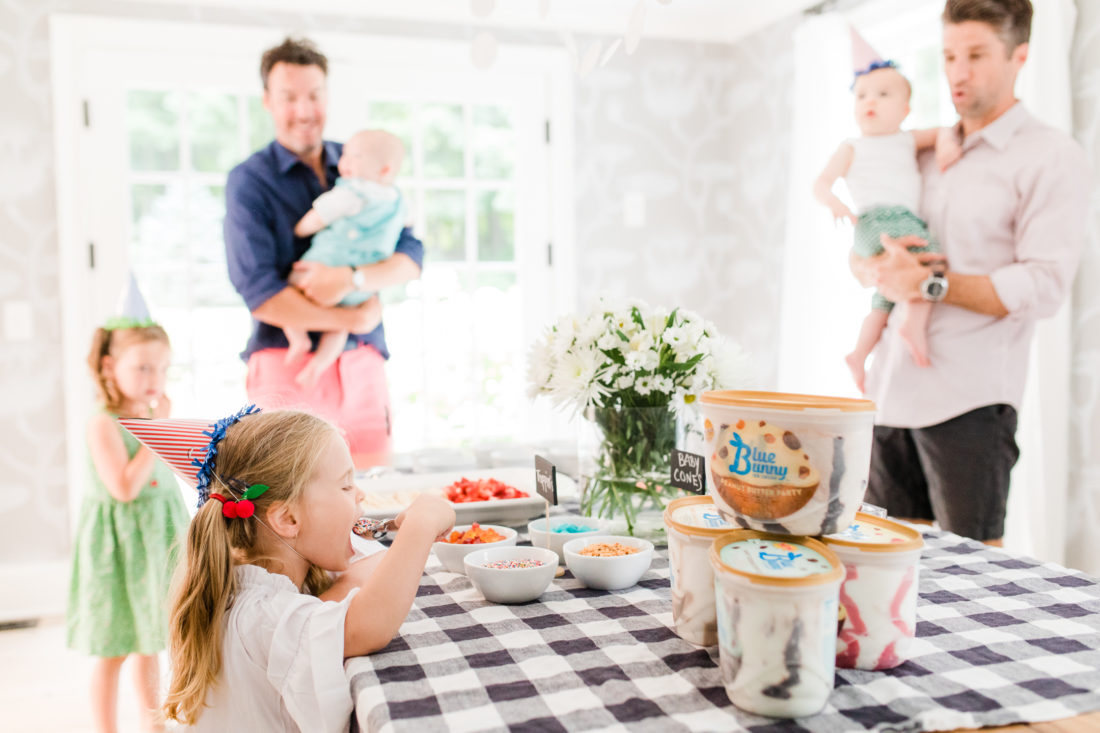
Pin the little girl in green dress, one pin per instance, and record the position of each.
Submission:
(129, 525)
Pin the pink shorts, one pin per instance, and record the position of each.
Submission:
(352, 394)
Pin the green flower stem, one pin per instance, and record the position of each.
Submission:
(633, 466)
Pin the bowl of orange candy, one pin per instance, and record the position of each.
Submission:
(466, 538)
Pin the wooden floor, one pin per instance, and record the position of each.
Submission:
(43, 688)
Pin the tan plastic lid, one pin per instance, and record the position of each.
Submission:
(834, 574)
(784, 401)
(869, 533)
(689, 515)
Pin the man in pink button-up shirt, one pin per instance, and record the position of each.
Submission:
(1011, 218)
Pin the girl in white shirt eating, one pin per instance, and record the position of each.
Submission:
(259, 628)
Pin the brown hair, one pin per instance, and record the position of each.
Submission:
(112, 342)
(278, 449)
(1010, 19)
(298, 51)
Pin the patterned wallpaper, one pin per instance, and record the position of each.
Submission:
(699, 132)
(694, 132)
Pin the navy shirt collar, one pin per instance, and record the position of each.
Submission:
(285, 160)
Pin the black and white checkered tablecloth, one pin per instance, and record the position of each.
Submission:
(1000, 639)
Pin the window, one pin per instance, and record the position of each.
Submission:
(181, 144)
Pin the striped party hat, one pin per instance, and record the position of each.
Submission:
(177, 442)
(187, 446)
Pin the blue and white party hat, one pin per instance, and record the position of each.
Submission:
(131, 312)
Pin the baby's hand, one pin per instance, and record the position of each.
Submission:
(842, 212)
(948, 147)
(430, 510)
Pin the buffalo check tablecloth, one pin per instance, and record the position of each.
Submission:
(1000, 639)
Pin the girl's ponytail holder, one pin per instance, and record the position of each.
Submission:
(242, 508)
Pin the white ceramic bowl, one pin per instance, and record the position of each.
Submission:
(511, 585)
(608, 573)
(536, 531)
(451, 555)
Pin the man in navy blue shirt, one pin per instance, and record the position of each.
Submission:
(266, 195)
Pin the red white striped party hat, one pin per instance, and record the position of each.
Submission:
(177, 442)
(184, 444)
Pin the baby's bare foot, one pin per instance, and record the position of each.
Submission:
(295, 351)
(917, 341)
(308, 377)
(855, 366)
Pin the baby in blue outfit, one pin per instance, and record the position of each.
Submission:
(357, 222)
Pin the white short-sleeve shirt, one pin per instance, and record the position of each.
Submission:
(282, 661)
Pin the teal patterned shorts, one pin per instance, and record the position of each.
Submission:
(894, 221)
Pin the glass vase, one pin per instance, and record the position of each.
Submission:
(625, 467)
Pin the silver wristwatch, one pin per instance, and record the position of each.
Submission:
(358, 280)
(934, 287)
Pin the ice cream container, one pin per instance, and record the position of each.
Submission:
(787, 463)
(691, 525)
(879, 593)
(776, 601)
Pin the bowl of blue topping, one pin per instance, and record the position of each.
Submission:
(561, 529)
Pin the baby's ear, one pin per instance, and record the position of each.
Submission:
(283, 520)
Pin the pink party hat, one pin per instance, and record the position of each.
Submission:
(177, 442)
(864, 58)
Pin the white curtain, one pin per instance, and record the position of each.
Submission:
(821, 304)
(1037, 509)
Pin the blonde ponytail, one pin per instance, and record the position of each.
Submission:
(202, 590)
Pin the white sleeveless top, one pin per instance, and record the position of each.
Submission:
(884, 172)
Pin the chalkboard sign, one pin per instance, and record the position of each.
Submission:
(687, 472)
(546, 479)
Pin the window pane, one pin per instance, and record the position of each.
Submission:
(494, 142)
(444, 140)
(395, 117)
(445, 225)
(206, 212)
(497, 345)
(495, 226)
(152, 121)
(158, 232)
(214, 130)
(260, 129)
(927, 84)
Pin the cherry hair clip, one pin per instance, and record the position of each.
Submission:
(242, 508)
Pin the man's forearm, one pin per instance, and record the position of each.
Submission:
(289, 308)
(975, 293)
(396, 269)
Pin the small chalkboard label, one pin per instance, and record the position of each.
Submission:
(546, 480)
(687, 472)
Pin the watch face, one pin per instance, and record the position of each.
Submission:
(934, 288)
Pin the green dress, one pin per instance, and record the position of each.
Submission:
(123, 558)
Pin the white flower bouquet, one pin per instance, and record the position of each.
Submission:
(632, 368)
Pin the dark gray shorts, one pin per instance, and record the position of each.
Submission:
(955, 472)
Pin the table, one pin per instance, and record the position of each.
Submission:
(1000, 639)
